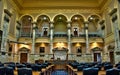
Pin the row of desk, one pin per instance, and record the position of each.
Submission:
(45, 71)
(72, 71)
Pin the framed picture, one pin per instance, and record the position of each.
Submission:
(42, 50)
(79, 50)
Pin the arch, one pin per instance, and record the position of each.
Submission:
(79, 15)
(93, 22)
(41, 15)
(59, 14)
(95, 15)
(77, 24)
(26, 15)
(60, 23)
(43, 24)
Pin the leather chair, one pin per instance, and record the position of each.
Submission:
(108, 66)
(9, 71)
(36, 67)
(24, 71)
(118, 66)
(80, 68)
(2, 70)
(113, 72)
(90, 71)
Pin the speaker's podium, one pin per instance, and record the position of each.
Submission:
(60, 57)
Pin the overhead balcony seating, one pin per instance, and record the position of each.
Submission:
(60, 35)
(23, 34)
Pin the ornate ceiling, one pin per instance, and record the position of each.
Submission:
(40, 4)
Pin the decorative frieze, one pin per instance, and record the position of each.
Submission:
(113, 11)
(91, 10)
(8, 12)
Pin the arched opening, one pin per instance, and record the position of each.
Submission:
(26, 26)
(60, 24)
(93, 23)
(77, 24)
(43, 25)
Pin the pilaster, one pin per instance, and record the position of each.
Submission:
(51, 36)
(69, 36)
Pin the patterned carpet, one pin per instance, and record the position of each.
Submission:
(59, 72)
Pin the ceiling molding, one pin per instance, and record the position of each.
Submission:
(61, 4)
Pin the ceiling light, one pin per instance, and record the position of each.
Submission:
(76, 18)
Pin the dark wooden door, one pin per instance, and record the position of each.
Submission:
(97, 57)
(111, 57)
(23, 57)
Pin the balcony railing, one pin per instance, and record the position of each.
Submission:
(90, 35)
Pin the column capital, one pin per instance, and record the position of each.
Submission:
(102, 22)
(34, 22)
(86, 22)
(68, 24)
(51, 22)
(34, 25)
(51, 25)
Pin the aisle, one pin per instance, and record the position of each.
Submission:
(59, 72)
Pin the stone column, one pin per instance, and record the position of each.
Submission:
(86, 37)
(5, 28)
(33, 38)
(51, 36)
(114, 17)
(32, 55)
(69, 37)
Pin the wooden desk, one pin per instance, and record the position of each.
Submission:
(45, 71)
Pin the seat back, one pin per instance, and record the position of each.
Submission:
(24, 71)
(2, 70)
(113, 72)
(9, 71)
(90, 71)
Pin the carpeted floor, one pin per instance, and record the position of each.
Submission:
(59, 72)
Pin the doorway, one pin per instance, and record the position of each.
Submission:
(97, 57)
(23, 57)
(111, 54)
(45, 32)
(75, 32)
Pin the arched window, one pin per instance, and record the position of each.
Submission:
(43, 25)
(26, 26)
